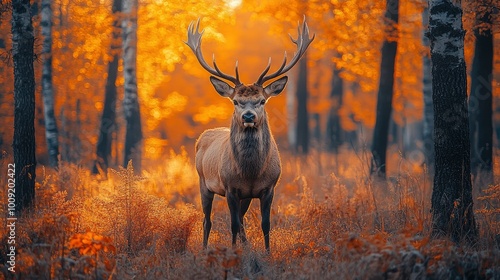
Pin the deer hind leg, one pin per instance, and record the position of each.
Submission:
(244, 204)
(265, 209)
(207, 198)
(234, 208)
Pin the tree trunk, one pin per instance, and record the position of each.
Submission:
(452, 206)
(317, 129)
(24, 100)
(480, 104)
(385, 91)
(333, 128)
(291, 93)
(133, 134)
(51, 133)
(108, 118)
(302, 115)
(76, 142)
(428, 129)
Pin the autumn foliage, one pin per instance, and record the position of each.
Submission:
(329, 219)
(335, 226)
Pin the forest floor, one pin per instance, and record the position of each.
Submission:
(328, 221)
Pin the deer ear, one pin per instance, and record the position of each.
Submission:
(223, 88)
(276, 87)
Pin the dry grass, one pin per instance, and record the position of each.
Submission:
(328, 222)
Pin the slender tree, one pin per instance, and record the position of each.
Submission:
(76, 141)
(51, 133)
(333, 128)
(133, 134)
(108, 118)
(291, 94)
(452, 206)
(480, 100)
(385, 90)
(428, 128)
(24, 101)
(302, 143)
(3, 91)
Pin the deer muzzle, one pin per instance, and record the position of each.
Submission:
(248, 119)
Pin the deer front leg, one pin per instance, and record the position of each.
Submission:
(234, 208)
(207, 198)
(265, 209)
(244, 204)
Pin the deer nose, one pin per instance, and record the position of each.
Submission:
(248, 117)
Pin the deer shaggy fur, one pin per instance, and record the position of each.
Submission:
(242, 162)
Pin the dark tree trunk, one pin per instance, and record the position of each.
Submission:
(108, 118)
(63, 144)
(480, 104)
(302, 145)
(51, 133)
(291, 94)
(76, 141)
(333, 127)
(428, 129)
(133, 134)
(452, 206)
(317, 129)
(24, 100)
(385, 91)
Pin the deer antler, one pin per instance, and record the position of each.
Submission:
(303, 41)
(194, 42)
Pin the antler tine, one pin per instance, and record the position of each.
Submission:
(194, 43)
(298, 34)
(264, 72)
(236, 70)
(261, 77)
(235, 80)
(302, 42)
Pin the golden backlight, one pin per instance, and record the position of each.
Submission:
(330, 218)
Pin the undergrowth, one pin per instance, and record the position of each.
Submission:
(328, 222)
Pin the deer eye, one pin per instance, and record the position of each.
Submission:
(235, 102)
(262, 102)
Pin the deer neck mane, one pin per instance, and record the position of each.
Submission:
(250, 147)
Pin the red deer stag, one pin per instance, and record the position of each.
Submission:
(241, 162)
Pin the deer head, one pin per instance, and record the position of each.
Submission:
(249, 100)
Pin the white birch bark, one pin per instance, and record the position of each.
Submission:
(452, 205)
(133, 135)
(129, 27)
(51, 133)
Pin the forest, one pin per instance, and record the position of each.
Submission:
(362, 136)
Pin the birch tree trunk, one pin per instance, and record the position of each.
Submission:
(385, 91)
(51, 133)
(24, 102)
(452, 206)
(133, 134)
(108, 118)
(428, 129)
